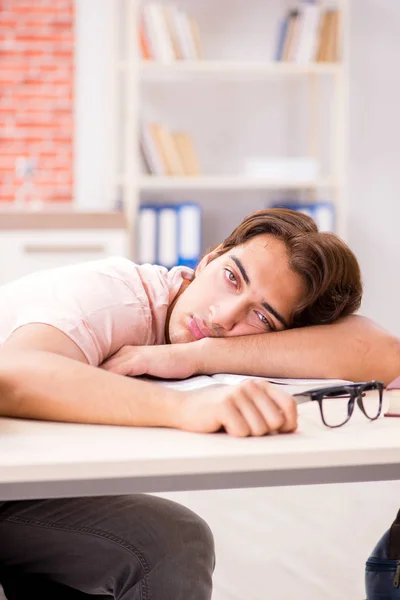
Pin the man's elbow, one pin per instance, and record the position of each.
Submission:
(368, 357)
(388, 359)
(17, 371)
(11, 377)
(377, 358)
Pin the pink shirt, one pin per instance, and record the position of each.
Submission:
(101, 305)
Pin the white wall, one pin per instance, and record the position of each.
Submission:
(93, 103)
(374, 170)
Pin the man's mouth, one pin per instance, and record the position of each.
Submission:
(198, 329)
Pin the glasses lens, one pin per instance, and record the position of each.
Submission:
(335, 410)
(371, 402)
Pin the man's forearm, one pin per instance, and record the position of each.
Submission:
(42, 385)
(353, 348)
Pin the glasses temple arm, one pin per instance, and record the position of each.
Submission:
(302, 398)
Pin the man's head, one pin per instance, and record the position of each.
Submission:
(274, 271)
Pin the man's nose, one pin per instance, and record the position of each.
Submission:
(224, 317)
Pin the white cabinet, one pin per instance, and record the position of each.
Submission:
(25, 251)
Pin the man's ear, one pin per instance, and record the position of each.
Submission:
(207, 258)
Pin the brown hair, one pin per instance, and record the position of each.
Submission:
(325, 263)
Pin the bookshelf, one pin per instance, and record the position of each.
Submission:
(149, 182)
(232, 69)
(136, 80)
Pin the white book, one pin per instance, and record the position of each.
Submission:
(150, 151)
(307, 42)
(167, 236)
(147, 235)
(184, 35)
(291, 386)
(158, 33)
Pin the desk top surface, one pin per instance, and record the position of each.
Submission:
(41, 451)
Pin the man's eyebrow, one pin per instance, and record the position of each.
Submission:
(241, 268)
(246, 279)
(277, 316)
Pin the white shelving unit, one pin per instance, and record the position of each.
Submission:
(132, 75)
(232, 69)
(206, 182)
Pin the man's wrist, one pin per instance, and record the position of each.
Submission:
(173, 407)
(201, 357)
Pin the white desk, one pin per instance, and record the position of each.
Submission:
(39, 459)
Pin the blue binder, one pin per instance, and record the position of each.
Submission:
(167, 239)
(323, 213)
(147, 234)
(189, 234)
(170, 234)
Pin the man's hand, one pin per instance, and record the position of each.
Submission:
(172, 361)
(252, 408)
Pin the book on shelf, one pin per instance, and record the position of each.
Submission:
(151, 153)
(323, 213)
(328, 49)
(144, 42)
(167, 33)
(290, 32)
(187, 152)
(392, 395)
(171, 12)
(157, 33)
(309, 33)
(170, 234)
(168, 153)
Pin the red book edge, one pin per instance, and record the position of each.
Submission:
(394, 385)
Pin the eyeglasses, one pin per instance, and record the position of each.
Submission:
(336, 403)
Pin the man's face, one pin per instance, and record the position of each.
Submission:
(248, 290)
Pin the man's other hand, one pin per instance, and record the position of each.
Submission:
(172, 361)
(252, 408)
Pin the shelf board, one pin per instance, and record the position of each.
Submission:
(155, 71)
(154, 183)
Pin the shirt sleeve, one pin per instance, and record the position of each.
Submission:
(98, 312)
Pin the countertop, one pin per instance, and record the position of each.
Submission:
(60, 218)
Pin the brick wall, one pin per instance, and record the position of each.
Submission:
(36, 95)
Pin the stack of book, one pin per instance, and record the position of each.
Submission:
(167, 33)
(323, 213)
(170, 234)
(308, 34)
(165, 152)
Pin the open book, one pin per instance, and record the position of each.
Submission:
(291, 386)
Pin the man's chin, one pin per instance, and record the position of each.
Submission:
(181, 337)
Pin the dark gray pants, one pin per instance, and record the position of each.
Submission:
(124, 547)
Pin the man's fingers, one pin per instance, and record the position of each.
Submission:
(116, 364)
(265, 408)
(257, 408)
(129, 360)
(284, 403)
(249, 400)
(108, 364)
(233, 420)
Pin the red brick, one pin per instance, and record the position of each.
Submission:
(36, 94)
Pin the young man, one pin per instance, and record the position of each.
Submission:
(275, 274)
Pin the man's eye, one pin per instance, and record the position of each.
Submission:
(264, 320)
(230, 276)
